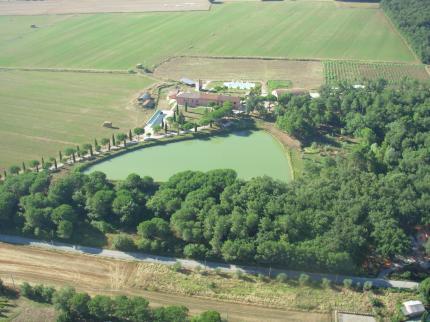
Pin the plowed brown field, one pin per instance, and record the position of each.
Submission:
(98, 275)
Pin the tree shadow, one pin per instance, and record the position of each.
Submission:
(86, 234)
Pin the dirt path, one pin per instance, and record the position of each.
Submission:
(108, 276)
(283, 137)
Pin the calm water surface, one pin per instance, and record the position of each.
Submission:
(250, 154)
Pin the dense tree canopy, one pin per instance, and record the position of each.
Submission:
(412, 17)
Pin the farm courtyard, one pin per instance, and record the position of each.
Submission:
(302, 30)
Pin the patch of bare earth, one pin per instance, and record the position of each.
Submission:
(286, 140)
(44, 7)
(112, 277)
(303, 74)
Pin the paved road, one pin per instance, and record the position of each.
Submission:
(188, 263)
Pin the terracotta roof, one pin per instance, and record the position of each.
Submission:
(208, 96)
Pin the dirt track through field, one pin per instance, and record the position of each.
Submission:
(50, 7)
(98, 275)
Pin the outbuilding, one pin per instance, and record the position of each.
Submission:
(187, 81)
(413, 308)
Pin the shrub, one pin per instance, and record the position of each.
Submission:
(304, 279)
(424, 290)
(347, 283)
(38, 293)
(238, 274)
(177, 267)
(261, 277)
(376, 302)
(326, 283)
(123, 242)
(282, 278)
(103, 226)
(367, 286)
(208, 316)
(3, 288)
(195, 251)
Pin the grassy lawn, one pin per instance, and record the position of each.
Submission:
(276, 84)
(43, 112)
(285, 29)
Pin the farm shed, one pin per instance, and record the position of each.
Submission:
(203, 99)
(187, 81)
(144, 97)
(145, 100)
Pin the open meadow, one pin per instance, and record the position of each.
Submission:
(43, 112)
(318, 30)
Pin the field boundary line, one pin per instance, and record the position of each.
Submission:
(66, 70)
(274, 58)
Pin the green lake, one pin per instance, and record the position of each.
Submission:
(250, 154)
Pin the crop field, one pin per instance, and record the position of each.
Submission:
(247, 299)
(42, 112)
(18, 7)
(336, 71)
(301, 30)
(305, 74)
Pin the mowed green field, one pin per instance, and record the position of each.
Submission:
(42, 112)
(282, 29)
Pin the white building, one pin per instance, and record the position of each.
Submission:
(413, 308)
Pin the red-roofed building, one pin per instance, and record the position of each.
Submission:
(204, 99)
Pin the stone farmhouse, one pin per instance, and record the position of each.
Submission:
(204, 99)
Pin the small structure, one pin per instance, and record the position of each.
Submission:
(199, 85)
(145, 100)
(156, 120)
(413, 308)
(314, 95)
(188, 82)
(107, 124)
(358, 86)
(240, 85)
(204, 99)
